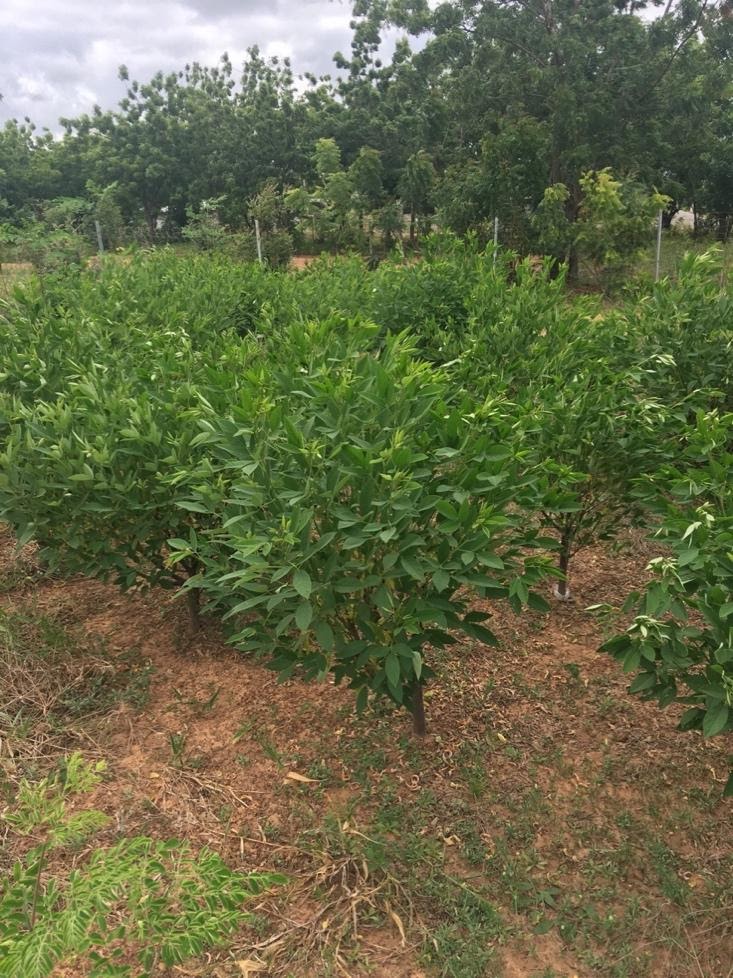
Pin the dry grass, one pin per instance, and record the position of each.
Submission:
(12, 274)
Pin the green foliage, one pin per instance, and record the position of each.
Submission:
(680, 642)
(340, 460)
(354, 509)
(608, 226)
(204, 228)
(156, 900)
(684, 335)
(366, 178)
(326, 158)
(494, 103)
(50, 249)
(416, 186)
(594, 434)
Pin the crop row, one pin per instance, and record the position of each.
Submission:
(338, 463)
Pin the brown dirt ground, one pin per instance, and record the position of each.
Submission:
(233, 792)
(302, 261)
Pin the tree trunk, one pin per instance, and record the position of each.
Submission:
(412, 225)
(668, 215)
(193, 600)
(418, 711)
(572, 211)
(723, 228)
(562, 588)
(152, 221)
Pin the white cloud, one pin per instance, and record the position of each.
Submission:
(59, 57)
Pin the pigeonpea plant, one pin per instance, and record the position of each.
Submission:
(89, 473)
(680, 641)
(358, 514)
(593, 434)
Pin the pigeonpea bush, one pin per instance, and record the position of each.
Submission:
(593, 435)
(682, 332)
(680, 641)
(91, 429)
(357, 514)
(346, 463)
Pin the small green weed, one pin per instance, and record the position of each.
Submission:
(138, 895)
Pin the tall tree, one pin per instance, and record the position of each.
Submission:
(584, 73)
(416, 186)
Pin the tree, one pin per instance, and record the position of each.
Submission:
(326, 158)
(28, 170)
(613, 224)
(389, 220)
(416, 185)
(583, 73)
(365, 174)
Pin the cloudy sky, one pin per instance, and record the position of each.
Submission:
(60, 57)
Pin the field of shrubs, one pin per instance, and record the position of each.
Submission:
(443, 512)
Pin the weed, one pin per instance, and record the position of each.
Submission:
(139, 894)
(201, 707)
(51, 677)
(270, 750)
(178, 748)
(666, 865)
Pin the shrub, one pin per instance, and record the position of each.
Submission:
(356, 511)
(680, 642)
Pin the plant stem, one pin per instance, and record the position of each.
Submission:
(37, 884)
(563, 588)
(193, 600)
(418, 711)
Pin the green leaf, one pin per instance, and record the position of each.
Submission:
(393, 670)
(303, 615)
(302, 583)
(417, 663)
(441, 580)
(192, 506)
(726, 609)
(491, 560)
(412, 567)
(537, 603)
(645, 681)
(178, 544)
(325, 636)
(481, 633)
(716, 719)
(686, 557)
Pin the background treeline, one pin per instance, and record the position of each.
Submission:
(544, 113)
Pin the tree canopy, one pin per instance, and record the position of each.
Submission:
(483, 106)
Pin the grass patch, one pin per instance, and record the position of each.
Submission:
(51, 678)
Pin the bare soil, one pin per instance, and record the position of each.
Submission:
(593, 826)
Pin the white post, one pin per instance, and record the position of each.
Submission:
(259, 241)
(659, 247)
(100, 241)
(496, 237)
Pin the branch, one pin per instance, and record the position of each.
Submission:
(688, 37)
